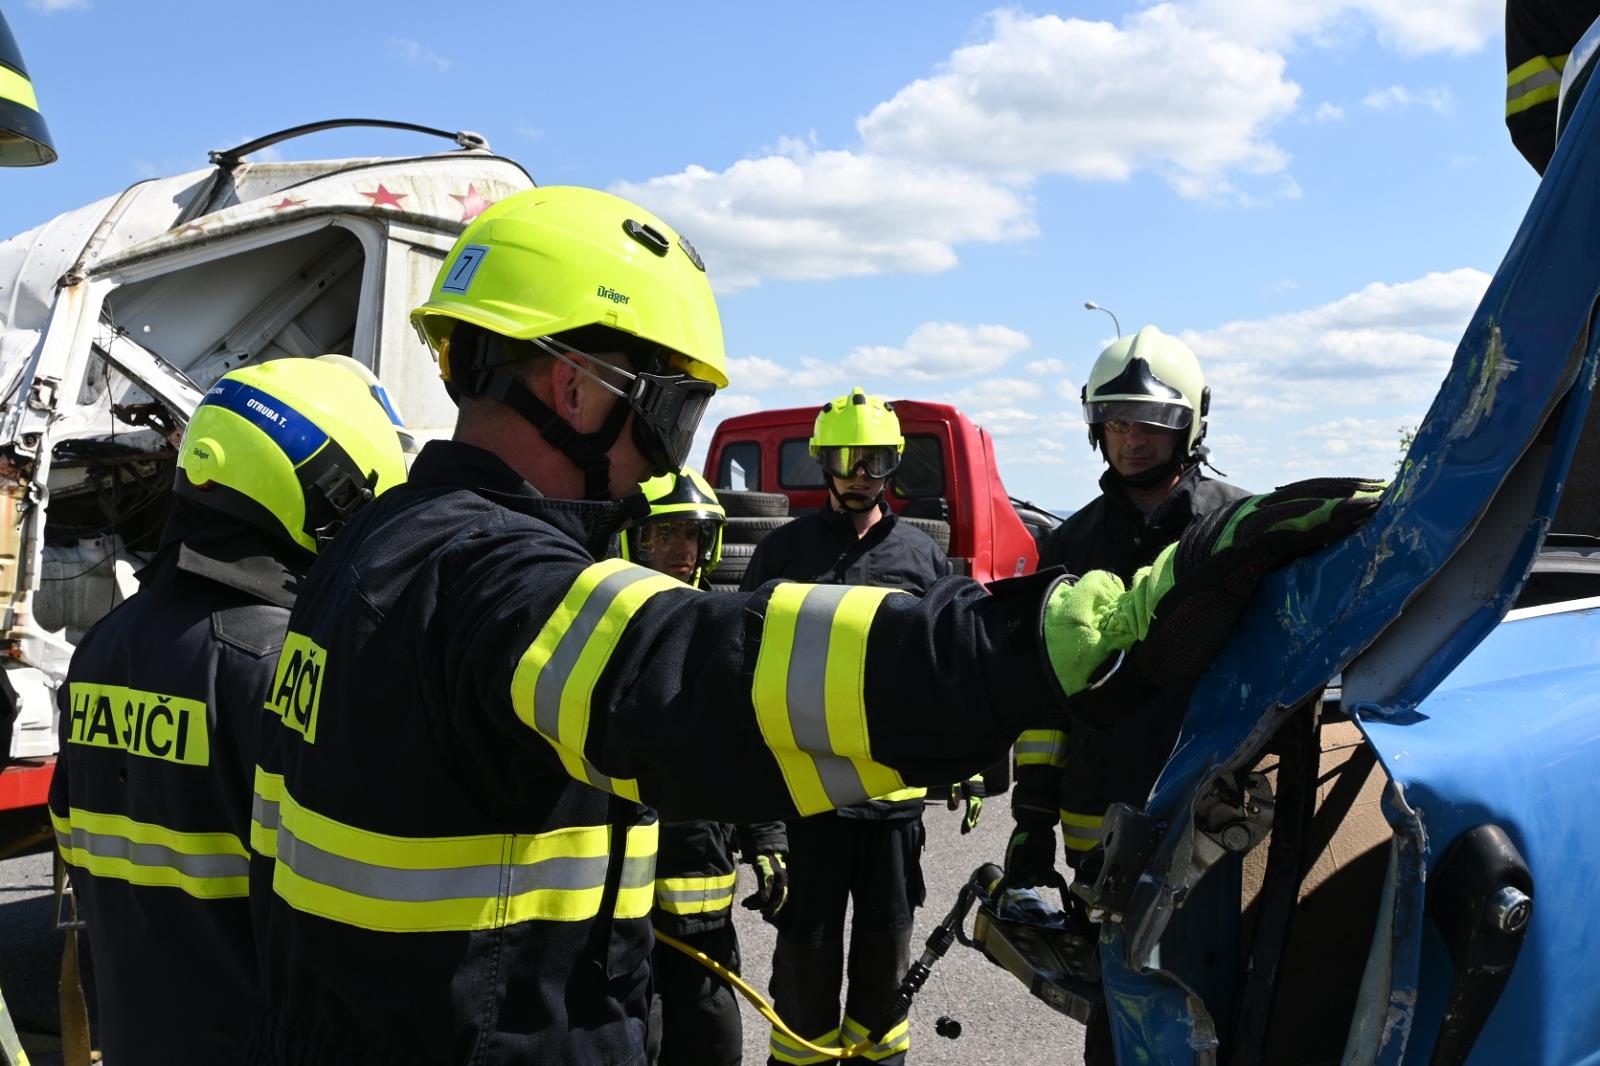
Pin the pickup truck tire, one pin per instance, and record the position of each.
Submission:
(750, 530)
(735, 561)
(742, 504)
(933, 527)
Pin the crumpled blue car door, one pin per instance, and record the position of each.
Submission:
(1397, 607)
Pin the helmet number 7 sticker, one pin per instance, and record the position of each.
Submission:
(465, 269)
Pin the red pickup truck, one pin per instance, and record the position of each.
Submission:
(948, 485)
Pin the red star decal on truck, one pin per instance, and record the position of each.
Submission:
(285, 202)
(472, 203)
(384, 198)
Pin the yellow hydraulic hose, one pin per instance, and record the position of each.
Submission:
(761, 1004)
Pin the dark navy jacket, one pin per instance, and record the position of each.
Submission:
(466, 707)
(151, 796)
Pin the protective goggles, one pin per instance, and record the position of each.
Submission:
(875, 460)
(657, 535)
(667, 407)
(1144, 412)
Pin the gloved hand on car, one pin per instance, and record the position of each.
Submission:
(1178, 612)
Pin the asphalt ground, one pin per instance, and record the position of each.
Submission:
(1000, 1021)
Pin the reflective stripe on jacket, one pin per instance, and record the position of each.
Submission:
(823, 548)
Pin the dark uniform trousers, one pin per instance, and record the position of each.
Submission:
(1075, 776)
(151, 795)
(472, 705)
(867, 855)
(694, 1014)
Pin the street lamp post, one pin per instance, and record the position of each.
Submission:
(1090, 305)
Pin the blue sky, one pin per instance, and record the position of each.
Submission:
(920, 197)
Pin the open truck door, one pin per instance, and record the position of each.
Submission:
(1480, 921)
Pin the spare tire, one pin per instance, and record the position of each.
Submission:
(933, 527)
(750, 530)
(735, 561)
(741, 504)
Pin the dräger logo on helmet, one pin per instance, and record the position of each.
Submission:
(611, 294)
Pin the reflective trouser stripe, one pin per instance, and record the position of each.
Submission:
(17, 89)
(896, 1041)
(783, 1049)
(809, 694)
(1534, 82)
(554, 683)
(1042, 747)
(915, 792)
(425, 884)
(695, 895)
(204, 865)
(1080, 832)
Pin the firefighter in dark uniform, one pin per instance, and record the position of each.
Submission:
(866, 853)
(1539, 37)
(162, 705)
(472, 702)
(698, 1022)
(1145, 403)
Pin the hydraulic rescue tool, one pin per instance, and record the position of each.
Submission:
(1051, 951)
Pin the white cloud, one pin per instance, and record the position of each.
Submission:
(1327, 112)
(1068, 389)
(992, 392)
(809, 374)
(417, 54)
(1045, 367)
(1396, 97)
(1410, 26)
(1387, 344)
(49, 6)
(1092, 100)
(941, 350)
(813, 214)
(949, 159)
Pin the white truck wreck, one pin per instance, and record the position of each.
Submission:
(117, 317)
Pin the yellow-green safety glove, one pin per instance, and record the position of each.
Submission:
(971, 792)
(1178, 612)
(772, 885)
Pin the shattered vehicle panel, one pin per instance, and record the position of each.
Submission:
(1504, 738)
(116, 318)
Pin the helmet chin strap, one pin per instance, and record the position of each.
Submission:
(587, 451)
(1145, 479)
(854, 502)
